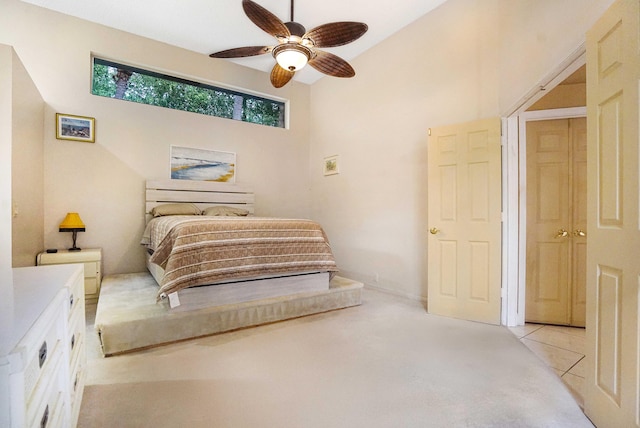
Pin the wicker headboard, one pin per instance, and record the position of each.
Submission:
(202, 193)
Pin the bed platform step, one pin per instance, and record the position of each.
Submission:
(128, 317)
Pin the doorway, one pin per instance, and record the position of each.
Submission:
(556, 240)
(543, 104)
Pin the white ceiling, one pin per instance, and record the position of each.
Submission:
(208, 26)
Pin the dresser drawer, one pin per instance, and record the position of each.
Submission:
(76, 297)
(91, 269)
(45, 402)
(77, 389)
(59, 419)
(52, 414)
(40, 352)
(77, 330)
(77, 373)
(90, 286)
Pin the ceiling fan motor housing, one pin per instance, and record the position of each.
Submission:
(295, 28)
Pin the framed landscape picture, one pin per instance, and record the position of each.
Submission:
(76, 128)
(203, 165)
(331, 165)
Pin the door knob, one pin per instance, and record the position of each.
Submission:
(562, 233)
(434, 230)
(579, 232)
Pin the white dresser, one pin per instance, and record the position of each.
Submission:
(46, 367)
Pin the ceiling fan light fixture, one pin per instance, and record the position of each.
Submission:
(292, 56)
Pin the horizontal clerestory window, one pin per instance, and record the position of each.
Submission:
(129, 83)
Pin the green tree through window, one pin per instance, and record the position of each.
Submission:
(129, 83)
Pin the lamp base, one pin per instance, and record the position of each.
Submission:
(74, 235)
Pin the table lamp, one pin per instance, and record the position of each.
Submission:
(72, 223)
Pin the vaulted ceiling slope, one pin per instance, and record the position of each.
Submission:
(208, 26)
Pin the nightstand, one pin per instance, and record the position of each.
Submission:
(92, 259)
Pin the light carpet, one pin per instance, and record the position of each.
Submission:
(386, 363)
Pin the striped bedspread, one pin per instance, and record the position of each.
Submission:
(197, 250)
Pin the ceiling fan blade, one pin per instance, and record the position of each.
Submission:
(242, 52)
(264, 19)
(331, 64)
(280, 76)
(336, 33)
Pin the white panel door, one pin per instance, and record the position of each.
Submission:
(464, 248)
(613, 254)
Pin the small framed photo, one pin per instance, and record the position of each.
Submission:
(331, 165)
(76, 128)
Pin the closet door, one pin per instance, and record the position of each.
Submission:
(548, 222)
(556, 221)
(578, 136)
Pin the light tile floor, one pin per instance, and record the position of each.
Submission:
(561, 348)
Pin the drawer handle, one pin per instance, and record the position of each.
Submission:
(71, 301)
(45, 417)
(42, 354)
(73, 341)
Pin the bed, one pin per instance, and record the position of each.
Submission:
(205, 247)
(135, 312)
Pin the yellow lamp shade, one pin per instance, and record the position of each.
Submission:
(72, 222)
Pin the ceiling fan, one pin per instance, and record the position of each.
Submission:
(296, 46)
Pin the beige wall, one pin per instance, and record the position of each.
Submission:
(6, 276)
(27, 173)
(104, 181)
(563, 96)
(440, 69)
(468, 59)
(21, 113)
(536, 37)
